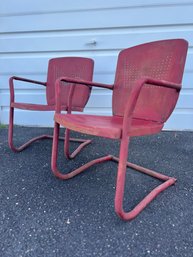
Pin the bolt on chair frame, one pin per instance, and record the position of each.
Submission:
(127, 130)
(54, 64)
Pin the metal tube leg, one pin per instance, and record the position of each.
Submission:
(119, 194)
(55, 148)
(10, 135)
(120, 184)
(83, 142)
(10, 132)
(66, 144)
(73, 173)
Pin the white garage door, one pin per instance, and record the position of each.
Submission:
(31, 32)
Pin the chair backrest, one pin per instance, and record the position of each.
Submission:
(163, 60)
(75, 67)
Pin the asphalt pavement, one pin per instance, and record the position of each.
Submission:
(42, 216)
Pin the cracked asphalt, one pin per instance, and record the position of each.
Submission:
(41, 216)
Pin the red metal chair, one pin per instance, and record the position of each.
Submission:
(76, 67)
(145, 92)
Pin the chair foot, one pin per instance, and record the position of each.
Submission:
(168, 181)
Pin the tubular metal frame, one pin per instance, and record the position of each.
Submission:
(83, 142)
(120, 183)
(123, 154)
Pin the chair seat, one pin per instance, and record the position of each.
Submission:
(40, 107)
(106, 126)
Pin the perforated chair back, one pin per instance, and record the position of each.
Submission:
(75, 67)
(163, 60)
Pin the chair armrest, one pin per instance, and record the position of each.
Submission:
(86, 83)
(28, 80)
(11, 85)
(132, 101)
(74, 81)
(162, 83)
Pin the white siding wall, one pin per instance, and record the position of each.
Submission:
(31, 32)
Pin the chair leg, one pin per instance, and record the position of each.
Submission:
(25, 145)
(73, 173)
(10, 135)
(120, 185)
(78, 149)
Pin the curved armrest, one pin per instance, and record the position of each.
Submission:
(74, 81)
(11, 85)
(132, 101)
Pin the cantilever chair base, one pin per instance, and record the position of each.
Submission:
(168, 181)
(83, 142)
